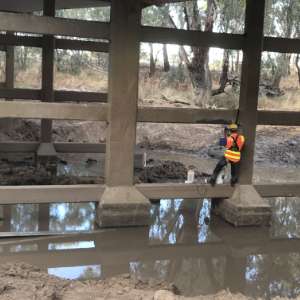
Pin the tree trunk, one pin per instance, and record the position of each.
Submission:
(297, 66)
(166, 59)
(237, 64)
(152, 62)
(224, 74)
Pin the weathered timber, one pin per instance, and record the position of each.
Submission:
(53, 26)
(191, 38)
(60, 43)
(91, 193)
(55, 111)
(250, 83)
(47, 92)
(184, 115)
(282, 45)
(59, 95)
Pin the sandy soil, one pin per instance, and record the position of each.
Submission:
(26, 282)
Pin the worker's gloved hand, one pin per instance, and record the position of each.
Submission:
(222, 142)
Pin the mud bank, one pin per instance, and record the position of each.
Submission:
(26, 282)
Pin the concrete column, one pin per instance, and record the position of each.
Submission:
(122, 204)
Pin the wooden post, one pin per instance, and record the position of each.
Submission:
(10, 66)
(47, 72)
(121, 203)
(254, 31)
(123, 91)
(47, 96)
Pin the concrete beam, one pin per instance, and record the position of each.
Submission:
(55, 111)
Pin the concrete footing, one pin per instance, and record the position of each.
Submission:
(123, 206)
(245, 208)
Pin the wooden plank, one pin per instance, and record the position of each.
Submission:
(82, 45)
(184, 115)
(64, 96)
(278, 118)
(191, 38)
(91, 193)
(278, 190)
(18, 40)
(14, 93)
(62, 111)
(59, 96)
(184, 191)
(50, 194)
(60, 43)
(79, 148)
(123, 92)
(282, 45)
(53, 26)
(254, 28)
(30, 147)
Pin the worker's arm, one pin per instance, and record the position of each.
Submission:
(241, 142)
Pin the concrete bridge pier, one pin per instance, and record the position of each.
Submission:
(122, 204)
(245, 208)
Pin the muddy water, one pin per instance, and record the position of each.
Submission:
(180, 247)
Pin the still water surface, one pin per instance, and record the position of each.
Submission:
(180, 247)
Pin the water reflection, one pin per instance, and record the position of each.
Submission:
(180, 247)
(72, 217)
(77, 272)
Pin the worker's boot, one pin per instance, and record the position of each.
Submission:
(213, 179)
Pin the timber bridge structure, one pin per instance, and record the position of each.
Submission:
(123, 203)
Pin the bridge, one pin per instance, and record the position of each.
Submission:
(121, 202)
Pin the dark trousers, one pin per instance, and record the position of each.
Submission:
(234, 169)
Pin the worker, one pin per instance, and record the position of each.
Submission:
(234, 143)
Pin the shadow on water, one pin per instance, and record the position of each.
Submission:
(180, 247)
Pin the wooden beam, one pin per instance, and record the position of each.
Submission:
(14, 93)
(278, 190)
(184, 191)
(53, 26)
(191, 38)
(74, 96)
(92, 193)
(185, 115)
(50, 194)
(254, 28)
(282, 45)
(59, 96)
(62, 111)
(82, 45)
(279, 118)
(60, 43)
(31, 147)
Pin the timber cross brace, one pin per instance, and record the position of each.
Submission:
(121, 202)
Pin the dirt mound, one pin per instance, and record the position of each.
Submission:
(159, 171)
(26, 282)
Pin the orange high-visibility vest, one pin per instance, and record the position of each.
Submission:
(235, 144)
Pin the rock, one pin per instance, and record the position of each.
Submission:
(164, 295)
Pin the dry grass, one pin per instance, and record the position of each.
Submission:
(161, 91)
